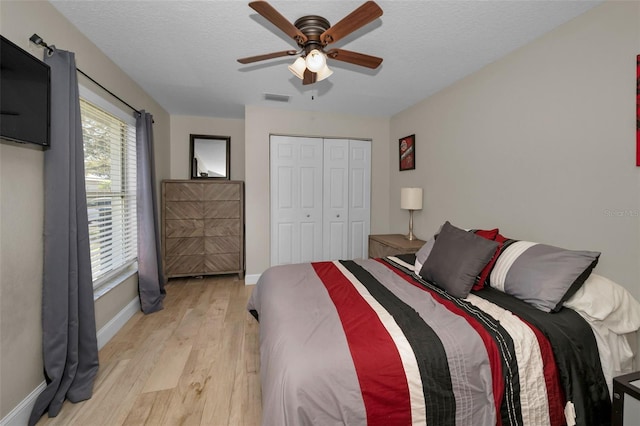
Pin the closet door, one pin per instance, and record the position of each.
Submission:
(359, 199)
(335, 226)
(296, 199)
(347, 199)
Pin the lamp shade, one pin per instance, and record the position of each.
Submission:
(315, 60)
(298, 67)
(323, 73)
(411, 198)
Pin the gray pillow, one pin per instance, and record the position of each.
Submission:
(456, 260)
(423, 253)
(542, 275)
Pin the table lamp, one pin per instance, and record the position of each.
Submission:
(411, 199)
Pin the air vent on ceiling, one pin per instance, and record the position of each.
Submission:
(276, 98)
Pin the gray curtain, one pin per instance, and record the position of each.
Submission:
(69, 343)
(150, 273)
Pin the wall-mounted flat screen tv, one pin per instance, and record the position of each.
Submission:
(25, 96)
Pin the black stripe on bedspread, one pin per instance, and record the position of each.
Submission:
(510, 409)
(576, 355)
(427, 347)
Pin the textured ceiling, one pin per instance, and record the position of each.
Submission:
(183, 53)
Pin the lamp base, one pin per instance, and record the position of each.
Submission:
(410, 235)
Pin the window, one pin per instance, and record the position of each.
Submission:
(110, 176)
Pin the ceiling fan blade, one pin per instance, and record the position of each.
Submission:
(273, 16)
(360, 17)
(257, 58)
(356, 58)
(309, 77)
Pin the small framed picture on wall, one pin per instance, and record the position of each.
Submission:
(407, 152)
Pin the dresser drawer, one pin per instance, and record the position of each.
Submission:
(183, 210)
(222, 209)
(221, 227)
(184, 265)
(215, 245)
(184, 228)
(183, 191)
(222, 262)
(184, 246)
(222, 191)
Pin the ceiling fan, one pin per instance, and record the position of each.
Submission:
(312, 34)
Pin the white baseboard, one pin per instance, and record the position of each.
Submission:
(19, 416)
(251, 279)
(110, 329)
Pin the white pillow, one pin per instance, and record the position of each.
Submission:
(601, 299)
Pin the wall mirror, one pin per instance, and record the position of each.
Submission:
(210, 157)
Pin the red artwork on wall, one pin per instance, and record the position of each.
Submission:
(408, 153)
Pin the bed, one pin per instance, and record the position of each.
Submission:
(373, 342)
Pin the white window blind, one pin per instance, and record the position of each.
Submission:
(110, 176)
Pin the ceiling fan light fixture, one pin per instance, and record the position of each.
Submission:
(298, 67)
(312, 34)
(324, 73)
(316, 60)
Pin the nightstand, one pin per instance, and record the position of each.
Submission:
(391, 244)
(626, 384)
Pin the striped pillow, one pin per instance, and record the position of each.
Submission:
(492, 235)
(483, 278)
(542, 275)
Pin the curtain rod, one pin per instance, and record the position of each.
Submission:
(36, 39)
(108, 91)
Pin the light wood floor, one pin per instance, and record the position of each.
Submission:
(194, 363)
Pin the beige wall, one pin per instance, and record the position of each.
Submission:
(21, 201)
(540, 143)
(183, 126)
(260, 123)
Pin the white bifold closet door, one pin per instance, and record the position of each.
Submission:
(320, 199)
(346, 198)
(296, 199)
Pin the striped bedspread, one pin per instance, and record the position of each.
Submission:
(368, 342)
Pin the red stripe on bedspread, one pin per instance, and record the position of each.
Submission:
(555, 394)
(493, 353)
(382, 378)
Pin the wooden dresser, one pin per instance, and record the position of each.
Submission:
(390, 244)
(203, 227)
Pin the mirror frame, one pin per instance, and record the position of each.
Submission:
(192, 170)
